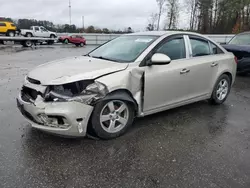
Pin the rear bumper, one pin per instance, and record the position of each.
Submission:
(74, 117)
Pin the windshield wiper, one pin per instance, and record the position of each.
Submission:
(104, 58)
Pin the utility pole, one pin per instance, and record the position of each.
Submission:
(69, 12)
(83, 22)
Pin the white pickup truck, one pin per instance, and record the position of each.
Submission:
(38, 31)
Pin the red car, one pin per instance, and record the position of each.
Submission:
(78, 40)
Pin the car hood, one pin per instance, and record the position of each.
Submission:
(74, 69)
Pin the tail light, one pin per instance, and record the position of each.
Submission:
(235, 59)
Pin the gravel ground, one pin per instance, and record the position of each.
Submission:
(198, 145)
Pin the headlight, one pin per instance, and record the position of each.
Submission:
(96, 88)
(90, 94)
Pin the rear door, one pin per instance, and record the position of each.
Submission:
(3, 28)
(44, 32)
(203, 66)
(37, 31)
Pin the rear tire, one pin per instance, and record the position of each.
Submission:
(27, 43)
(221, 90)
(81, 44)
(112, 118)
(11, 33)
(29, 35)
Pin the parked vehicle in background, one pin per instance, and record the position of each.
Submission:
(131, 76)
(8, 28)
(240, 47)
(38, 31)
(78, 40)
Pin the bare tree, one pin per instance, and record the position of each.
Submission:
(161, 4)
(172, 15)
(192, 7)
(152, 21)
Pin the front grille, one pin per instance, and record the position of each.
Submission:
(28, 93)
(33, 81)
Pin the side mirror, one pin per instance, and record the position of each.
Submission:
(160, 59)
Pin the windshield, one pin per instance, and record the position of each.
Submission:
(241, 39)
(124, 48)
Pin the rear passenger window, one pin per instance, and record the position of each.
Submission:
(13, 25)
(199, 47)
(215, 49)
(175, 49)
(2, 24)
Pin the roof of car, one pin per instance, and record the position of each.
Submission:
(246, 32)
(153, 33)
(162, 33)
(5, 21)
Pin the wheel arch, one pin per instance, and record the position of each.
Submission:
(229, 75)
(26, 34)
(122, 94)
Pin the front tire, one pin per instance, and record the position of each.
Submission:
(221, 90)
(81, 44)
(112, 118)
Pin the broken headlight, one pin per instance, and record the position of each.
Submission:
(96, 88)
(82, 92)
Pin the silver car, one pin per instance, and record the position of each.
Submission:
(131, 76)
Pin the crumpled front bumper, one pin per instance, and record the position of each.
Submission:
(75, 115)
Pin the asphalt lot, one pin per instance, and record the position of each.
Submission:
(198, 145)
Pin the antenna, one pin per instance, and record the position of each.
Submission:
(69, 12)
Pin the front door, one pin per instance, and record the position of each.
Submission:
(167, 84)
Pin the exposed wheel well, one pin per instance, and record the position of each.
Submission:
(11, 31)
(229, 75)
(29, 33)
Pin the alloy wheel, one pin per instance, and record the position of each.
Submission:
(114, 116)
(222, 89)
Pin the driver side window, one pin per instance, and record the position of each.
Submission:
(173, 48)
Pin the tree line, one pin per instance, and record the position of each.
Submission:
(205, 16)
(62, 28)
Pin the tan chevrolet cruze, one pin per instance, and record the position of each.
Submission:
(131, 76)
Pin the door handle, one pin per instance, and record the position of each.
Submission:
(214, 64)
(184, 71)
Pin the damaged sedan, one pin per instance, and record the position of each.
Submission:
(131, 76)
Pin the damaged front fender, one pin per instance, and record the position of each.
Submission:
(126, 85)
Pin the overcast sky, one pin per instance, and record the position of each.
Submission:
(113, 14)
